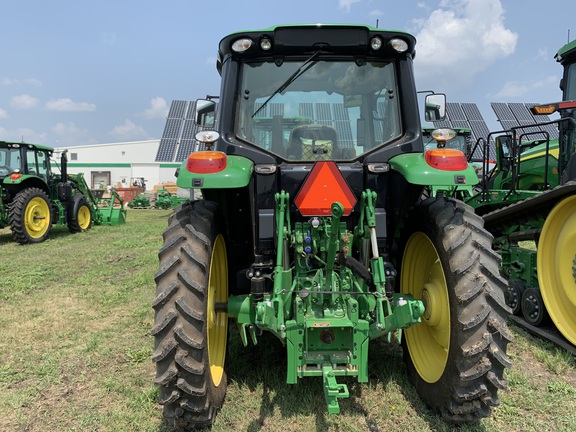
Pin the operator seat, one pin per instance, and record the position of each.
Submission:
(313, 142)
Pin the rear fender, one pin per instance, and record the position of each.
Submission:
(414, 168)
(25, 181)
(236, 174)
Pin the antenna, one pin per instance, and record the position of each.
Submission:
(568, 35)
(377, 22)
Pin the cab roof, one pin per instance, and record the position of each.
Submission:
(302, 39)
(6, 144)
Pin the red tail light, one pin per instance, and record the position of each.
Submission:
(446, 159)
(15, 176)
(206, 162)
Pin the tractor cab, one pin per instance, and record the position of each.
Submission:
(10, 160)
(24, 159)
(567, 57)
(336, 100)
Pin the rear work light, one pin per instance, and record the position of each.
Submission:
(241, 45)
(399, 45)
(446, 159)
(206, 162)
(443, 134)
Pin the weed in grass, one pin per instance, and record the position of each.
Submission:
(562, 388)
(138, 356)
(93, 344)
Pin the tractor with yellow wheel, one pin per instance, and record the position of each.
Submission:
(528, 203)
(33, 197)
(313, 227)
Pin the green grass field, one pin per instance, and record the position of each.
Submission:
(75, 348)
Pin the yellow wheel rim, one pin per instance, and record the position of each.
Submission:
(557, 266)
(84, 218)
(423, 276)
(37, 217)
(217, 321)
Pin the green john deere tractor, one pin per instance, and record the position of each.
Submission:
(529, 204)
(313, 227)
(33, 198)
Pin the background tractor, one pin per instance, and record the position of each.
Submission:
(33, 197)
(313, 228)
(529, 204)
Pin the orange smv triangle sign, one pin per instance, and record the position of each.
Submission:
(324, 186)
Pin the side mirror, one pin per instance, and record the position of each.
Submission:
(205, 112)
(435, 107)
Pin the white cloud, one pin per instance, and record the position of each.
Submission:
(3, 114)
(108, 38)
(158, 109)
(516, 89)
(23, 102)
(33, 82)
(128, 131)
(68, 134)
(542, 54)
(67, 129)
(458, 41)
(23, 135)
(6, 81)
(375, 13)
(211, 61)
(68, 105)
(345, 4)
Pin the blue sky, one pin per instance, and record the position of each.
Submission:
(74, 72)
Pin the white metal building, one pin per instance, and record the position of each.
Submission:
(116, 164)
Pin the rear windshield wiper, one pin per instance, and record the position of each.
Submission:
(290, 80)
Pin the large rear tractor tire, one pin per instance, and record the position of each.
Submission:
(457, 355)
(81, 216)
(30, 216)
(556, 264)
(190, 331)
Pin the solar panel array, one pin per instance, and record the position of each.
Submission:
(342, 125)
(306, 109)
(513, 115)
(467, 115)
(172, 131)
(177, 140)
(476, 121)
(269, 110)
(178, 137)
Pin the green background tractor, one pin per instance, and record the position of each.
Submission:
(313, 228)
(33, 197)
(529, 204)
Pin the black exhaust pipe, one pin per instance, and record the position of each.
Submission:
(64, 166)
